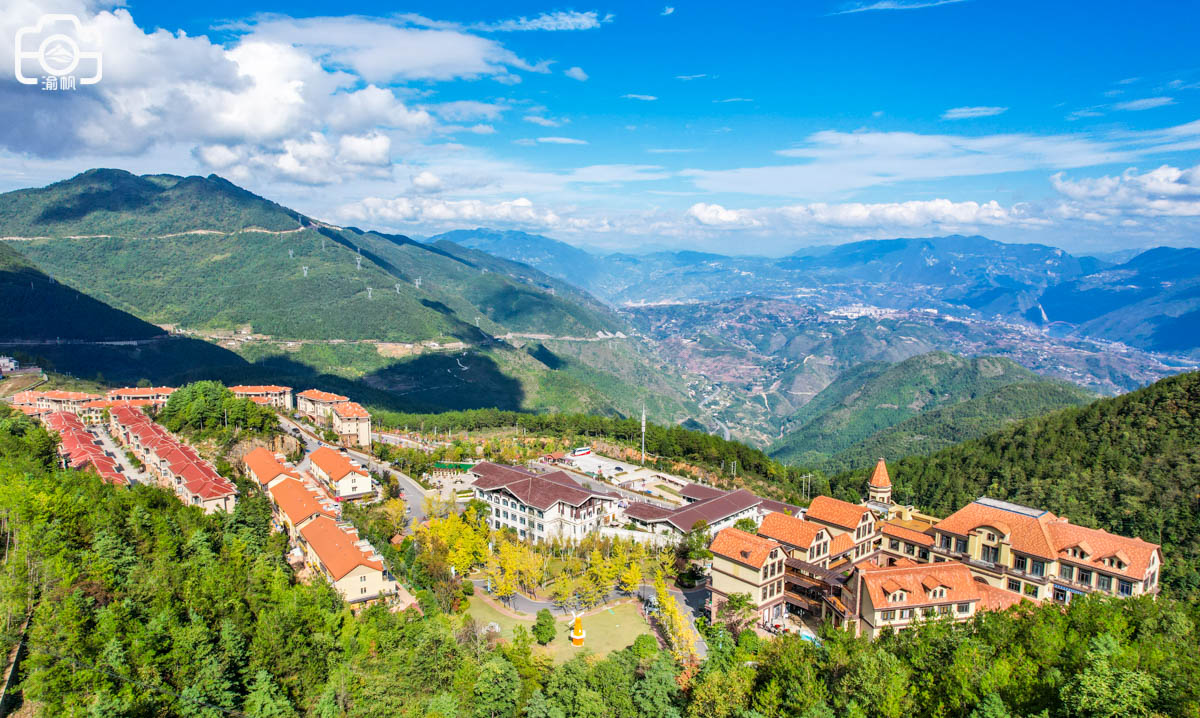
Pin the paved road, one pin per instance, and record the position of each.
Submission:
(413, 494)
(113, 449)
(692, 603)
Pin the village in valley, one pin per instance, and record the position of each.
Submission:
(572, 532)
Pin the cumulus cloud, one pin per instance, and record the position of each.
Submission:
(1163, 192)
(966, 113)
(423, 210)
(936, 213)
(714, 215)
(576, 73)
(644, 98)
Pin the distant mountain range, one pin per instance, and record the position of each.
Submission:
(1151, 301)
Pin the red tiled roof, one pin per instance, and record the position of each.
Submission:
(323, 396)
(263, 465)
(835, 512)
(337, 548)
(334, 463)
(746, 548)
(58, 395)
(879, 477)
(996, 599)
(789, 530)
(140, 391)
(840, 544)
(905, 533)
(1098, 545)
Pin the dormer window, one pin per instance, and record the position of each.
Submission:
(897, 596)
(938, 592)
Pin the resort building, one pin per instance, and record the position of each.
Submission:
(718, 510)
(80, 450)
(351, 564)
(541, 506)
(173, 463)
(318, 405)
(1037, 554)
(843, 518)
(267, 468)
(278, 397)
(154, 394)
(298, 502)
(749, 564)
(346, 480)
(352, 424)
(57, 400)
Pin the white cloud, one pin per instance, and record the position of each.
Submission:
(1146, 103)
(734, 99)
(670, 150)
(552, 21)
(468, 110)
(427, 182)
(687, 78)
(424, 210)
(936, 213)
(714, 215)
(543, 121)
(1163, 192)
(895, 5)
(576, 73)
(668, 10)
(966, 113)
(644, 98)
(561, 141)
(835, 162)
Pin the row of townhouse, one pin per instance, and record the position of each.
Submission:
(879, 565)
(88, 407)
(346, 479)
(278, 397)
(311, 519)
(172, 462)
(348, 419)
(79, 449)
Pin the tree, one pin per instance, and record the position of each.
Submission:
(738, 611)
(747, 524)
(544, 628)
(396, 513)
(539, 706)
(1104, 689)
(694, 545)
(266, 700)
(656, 695)
(631, 578)
(497, 689)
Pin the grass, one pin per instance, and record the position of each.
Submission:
(609, 630)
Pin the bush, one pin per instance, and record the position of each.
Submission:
(544, 629)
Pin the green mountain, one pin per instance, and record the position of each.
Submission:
(865, 402)
(296, 297)
(1129, 464)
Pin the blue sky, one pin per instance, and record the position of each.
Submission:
(739, 128)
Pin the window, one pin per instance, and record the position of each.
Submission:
(1031, 590)
(943, 610)
(947, 542)
(1084, 576)
(1021, 563)
(924, 554)
(960, 545)
(362, 579)
(888, 615)
(1103, 582)
(963, 608)
(991, 536)
(1014, 585)
(1038, 568)
(991, 554)
(1125, 588)
(364, 590)
(910, 549)
(893, 544)
(1067, 572)
(906, 614)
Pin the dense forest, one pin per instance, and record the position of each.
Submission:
(142, 606)
(208, 409)
(1129, 464)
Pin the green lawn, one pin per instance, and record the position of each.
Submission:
(609, 630)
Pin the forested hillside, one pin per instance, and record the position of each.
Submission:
(1130, 464)
(856, 411)
(143, 606)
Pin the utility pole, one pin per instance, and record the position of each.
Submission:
(643, 433)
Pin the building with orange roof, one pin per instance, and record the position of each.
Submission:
(298, 502)
(844, 518)
(155, 394)
(55, 400)
(345, 478)
(92, 412)
(352, 423)
(898, 596)
(1034, 553)
(79, 448)
(279, 397)
(348, 562)
(749, 564)
(879, 486)
(803, 540)
(898, 541)
(266, 467)
(318, 405)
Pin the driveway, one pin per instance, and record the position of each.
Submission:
(135, 475)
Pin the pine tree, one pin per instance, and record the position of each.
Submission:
(266, 700)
